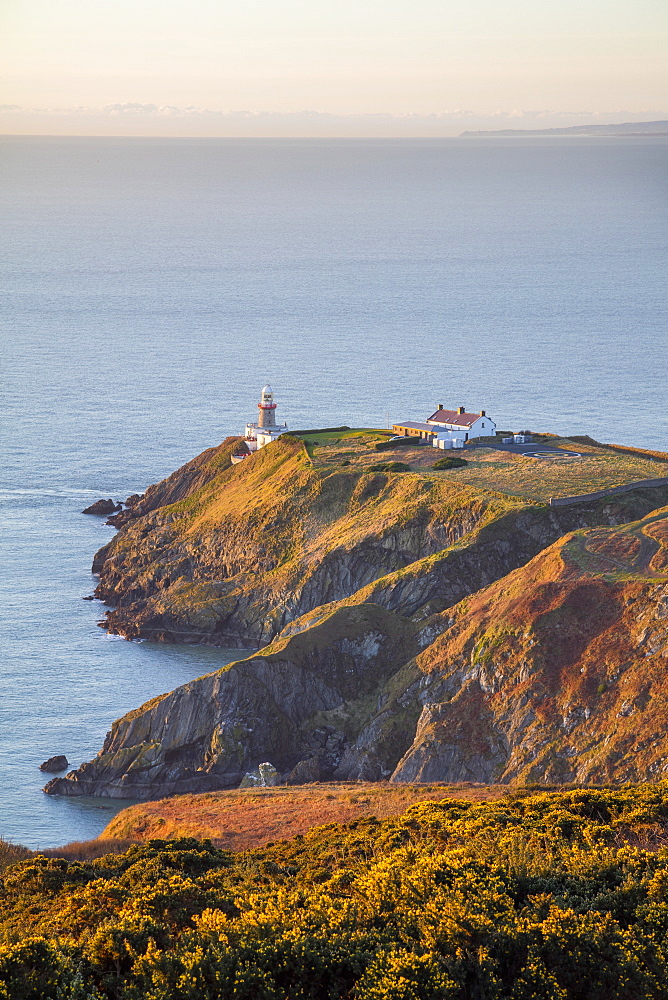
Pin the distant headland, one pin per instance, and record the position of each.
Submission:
(625, 128)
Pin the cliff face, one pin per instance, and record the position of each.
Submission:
(555, 672)
(258, 544)
(559, 672)
(234, 555)
(180, 484)
(298, 701)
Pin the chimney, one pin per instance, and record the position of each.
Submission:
(460, 409)
(482, 413)
(440, 406)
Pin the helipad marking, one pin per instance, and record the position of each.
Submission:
(552, 454)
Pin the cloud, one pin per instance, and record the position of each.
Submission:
(139, 118)
(168, 110)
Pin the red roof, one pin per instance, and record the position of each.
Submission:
(452, 417)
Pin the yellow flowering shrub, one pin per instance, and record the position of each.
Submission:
(539, 896)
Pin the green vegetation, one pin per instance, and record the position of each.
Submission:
(334, 435)
(391, 444)
(192, 567)
(539, 896)
(389, 467)
(449, 462)
(320, 430)
(281, 514)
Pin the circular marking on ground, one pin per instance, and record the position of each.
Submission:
(552, 454)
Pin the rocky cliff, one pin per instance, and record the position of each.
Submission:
(301, 700)
(248, 548)
(556, 671)
(233, 555)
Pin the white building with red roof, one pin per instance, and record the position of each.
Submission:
(472, 424)
(448, 428)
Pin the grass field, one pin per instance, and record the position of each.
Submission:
(253, 817)
(598, 468)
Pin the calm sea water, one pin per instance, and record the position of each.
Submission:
(153, 286)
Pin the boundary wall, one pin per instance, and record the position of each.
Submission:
(627, 488)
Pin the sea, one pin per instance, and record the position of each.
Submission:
(151, 287)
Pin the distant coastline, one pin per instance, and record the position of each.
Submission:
(622, 129)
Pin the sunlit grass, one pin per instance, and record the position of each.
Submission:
(489, 469)
(246, 818)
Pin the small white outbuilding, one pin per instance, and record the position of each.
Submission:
(445, 440)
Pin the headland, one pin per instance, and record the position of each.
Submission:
(410, 619)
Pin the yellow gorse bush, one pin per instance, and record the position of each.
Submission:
(540, 896)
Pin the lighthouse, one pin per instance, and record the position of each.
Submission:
(266, 429)
(266, 408)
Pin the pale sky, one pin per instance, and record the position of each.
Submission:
(342, 57)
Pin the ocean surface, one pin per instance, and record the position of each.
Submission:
(151, 287)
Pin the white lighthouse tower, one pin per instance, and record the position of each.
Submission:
(266, 429)
(267, 408)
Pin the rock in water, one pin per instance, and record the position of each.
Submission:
(193, 574)
(285, 705)
(54, 764)
(102, 508)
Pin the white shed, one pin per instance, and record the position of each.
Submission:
(445, 440)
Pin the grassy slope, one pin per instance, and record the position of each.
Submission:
(253, 538)
(495, 528)
(570, 651)
(301, 524)
(561, 657)
(495, 471)
(303, 513)
(254, 817)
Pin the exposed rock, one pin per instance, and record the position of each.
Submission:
(102, 507)
(264, 776)
(455, 738)
(180, 485)
(230, 582)
(305, 772)
(236, 555)
(292, 702)
(55, 764)
(421, 630)
(557, 672)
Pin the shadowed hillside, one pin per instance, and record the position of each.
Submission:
(556, 672)
(262, 542)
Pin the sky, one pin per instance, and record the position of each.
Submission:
(206, 66)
